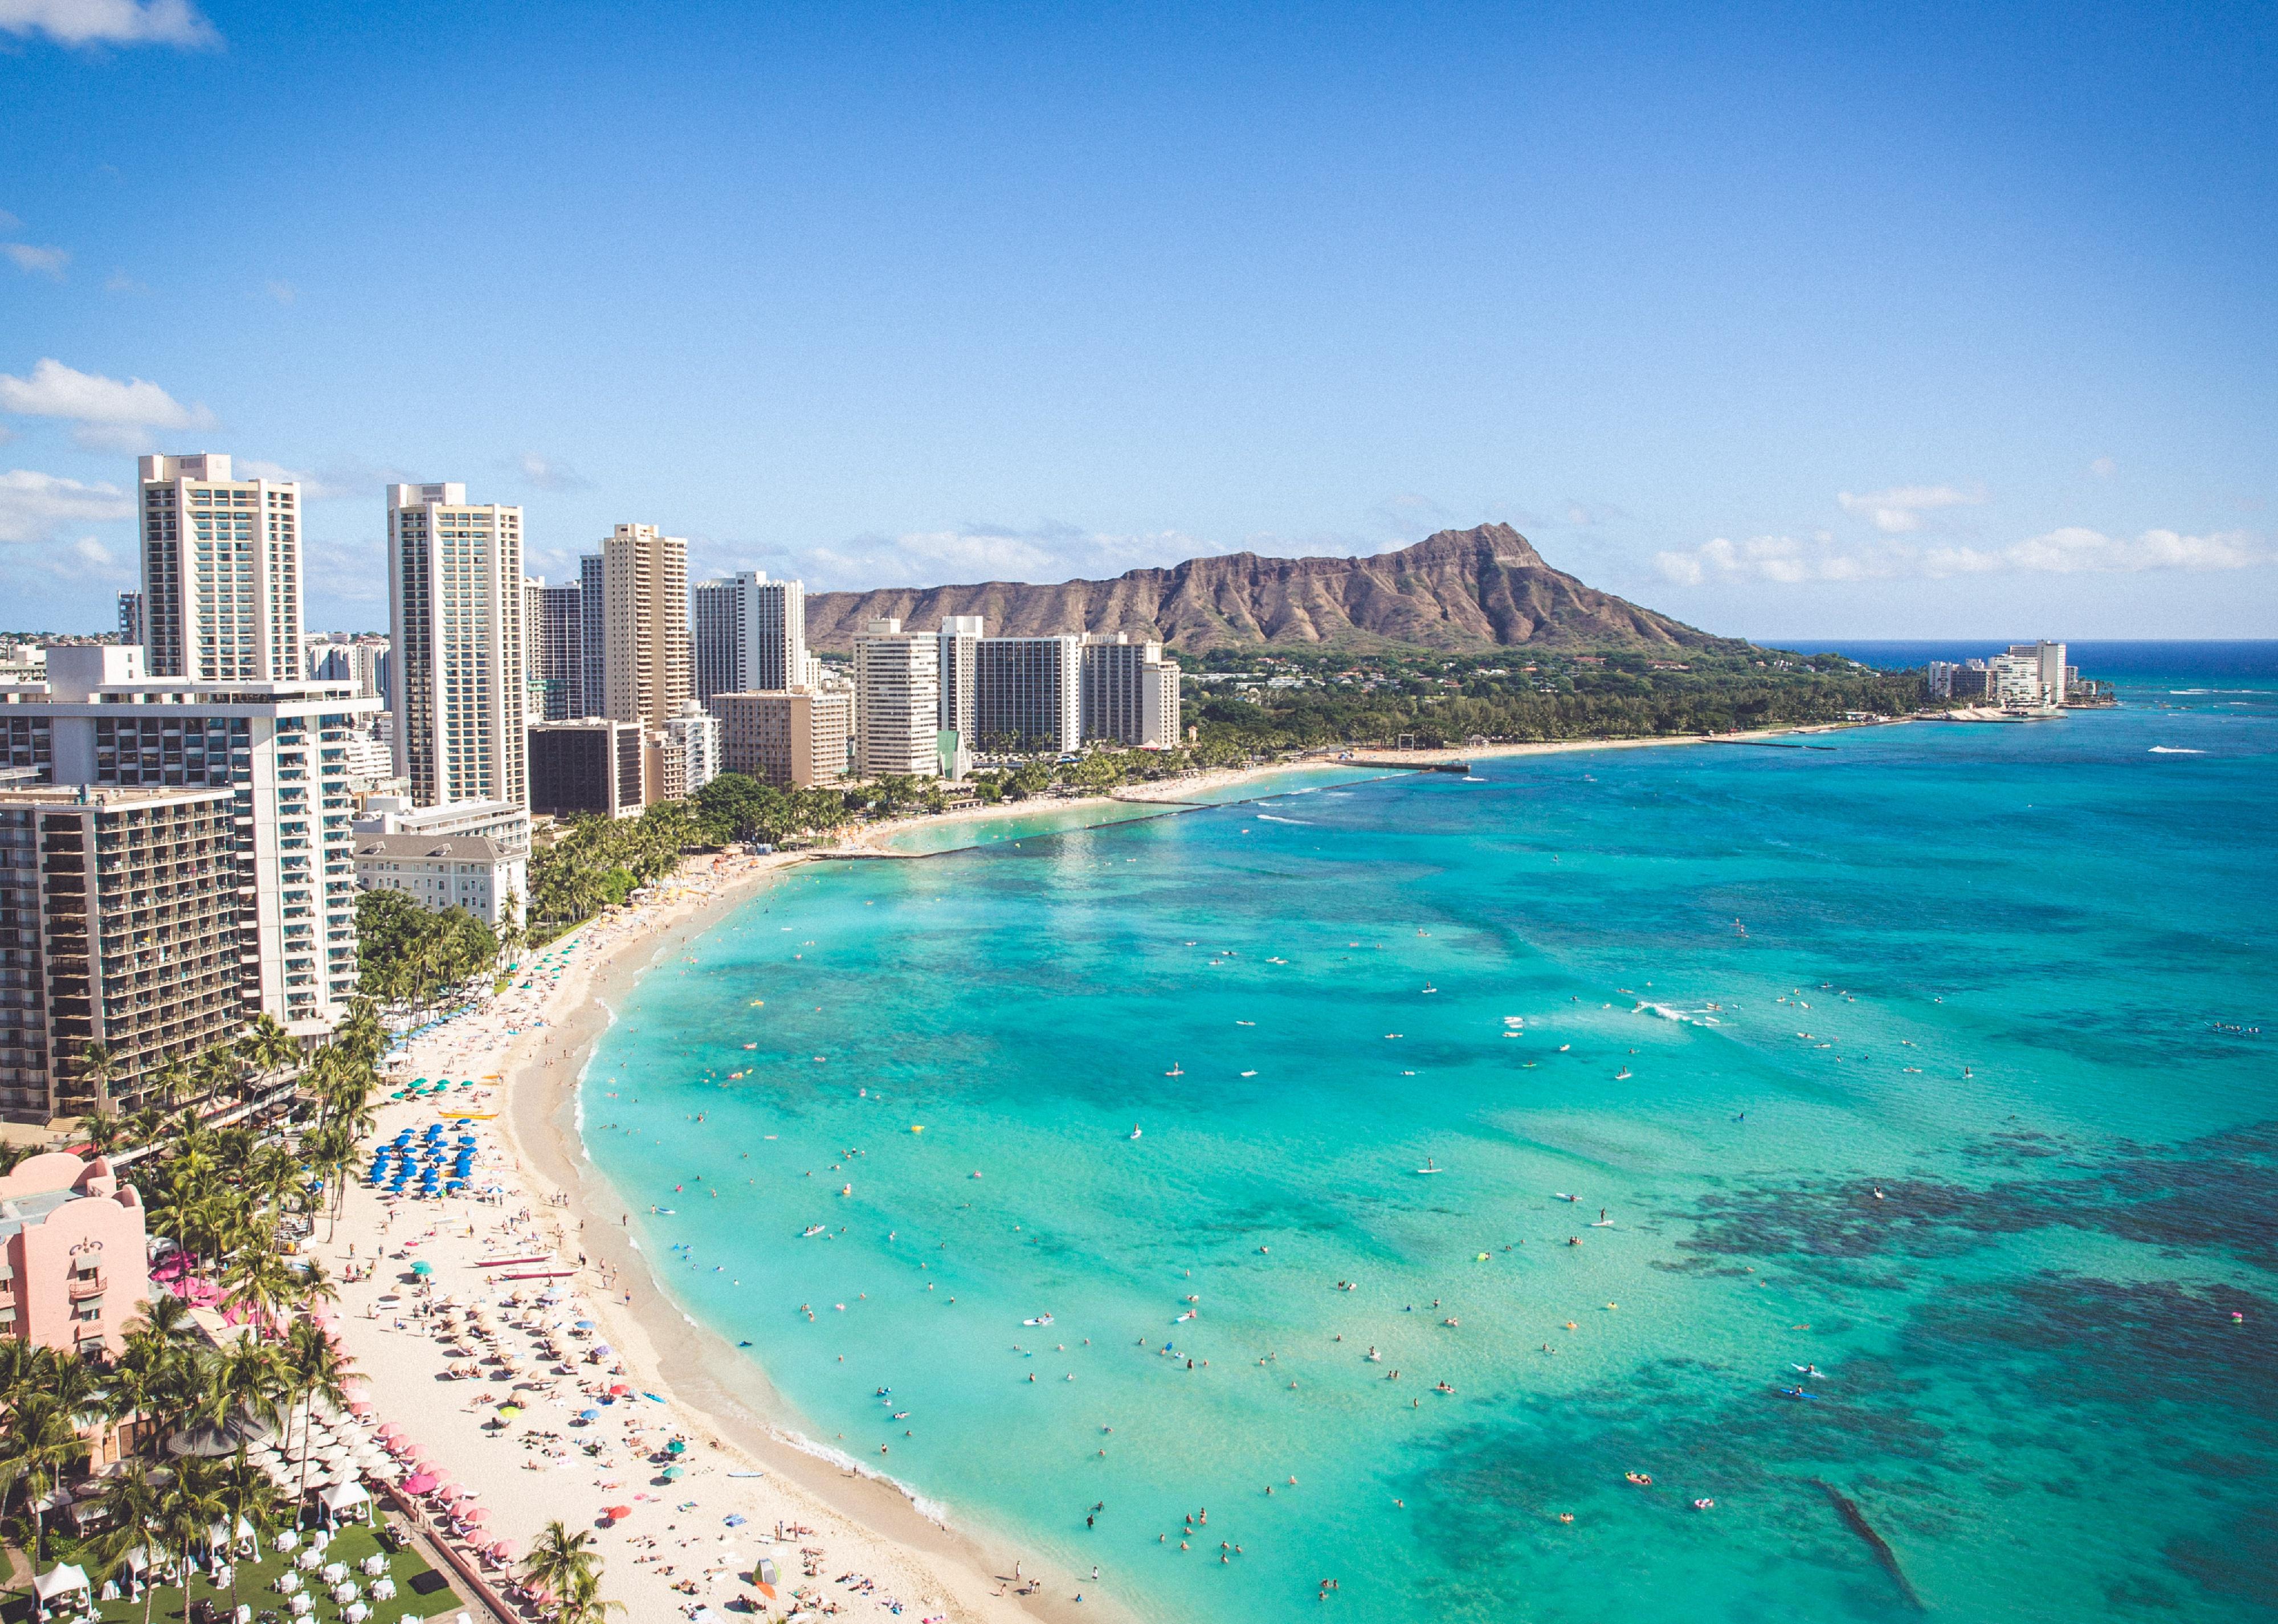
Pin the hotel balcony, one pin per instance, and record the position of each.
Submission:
(81, 1287)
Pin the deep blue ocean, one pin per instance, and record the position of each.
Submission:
(1925, 1078)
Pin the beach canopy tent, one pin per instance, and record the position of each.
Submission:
(342, 1498)
(63, 1579)
(212, 1442)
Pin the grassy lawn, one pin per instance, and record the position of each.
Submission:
(257, 1588)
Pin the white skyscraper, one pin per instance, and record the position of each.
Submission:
(960, 643)
(897, 701)
(2049, 665)
(221, 571)
(750, 635)
(455, 592)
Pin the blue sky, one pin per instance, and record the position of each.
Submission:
(1805, 321)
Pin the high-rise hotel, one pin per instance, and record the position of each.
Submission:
(221, 571)
(750, 636)
(455, 592)
(643, 625)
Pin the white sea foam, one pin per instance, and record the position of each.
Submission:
(2174, 750)
(1269, 818)
(1663, 1010)
(933, 1510)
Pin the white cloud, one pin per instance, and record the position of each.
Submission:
(110, 22)
(107, 415)
(37, 261)
(118, 281)
(1900, 508)
(33, 506)
(2071, 551)
(551, 474)
(284, 293)
(2104, 468)
(1046, 554)
(314, 486)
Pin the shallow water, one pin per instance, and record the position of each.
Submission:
(2011, 957)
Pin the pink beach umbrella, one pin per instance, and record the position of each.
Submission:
(475, 1517)
(503, 1551)
(418, 1482)
(388, 1432)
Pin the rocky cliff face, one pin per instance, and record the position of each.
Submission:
(1463, 591)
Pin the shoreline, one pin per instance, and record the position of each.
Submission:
(720, 1396)
(726, 1387)
(530, 1051)
(875, 839)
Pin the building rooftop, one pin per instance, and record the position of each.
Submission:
(459, 848)
(105, 795)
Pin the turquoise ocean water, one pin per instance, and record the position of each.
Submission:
(1950, 1073)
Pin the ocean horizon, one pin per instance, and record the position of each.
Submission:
(1911, 1084)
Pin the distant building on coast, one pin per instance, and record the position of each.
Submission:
(794, 739)
(445, 871)
(554, 631)
(897, 701)
(593, 764)
(221, 571)
(750, 636)
(2028, 674)
(457, 601)
(643, 626)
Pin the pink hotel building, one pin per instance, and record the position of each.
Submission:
(74, 1260)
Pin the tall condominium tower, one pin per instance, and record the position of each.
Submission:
(454, 593)
(593, 644)
(2049, 664)
(1129, 692)
(897, 701)
(1027, 694)
(644, 624)
(130, 617)
(751, 635)
(221, 571)
(960, 645)
(554, 626)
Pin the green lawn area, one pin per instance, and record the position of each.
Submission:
(257, 1588)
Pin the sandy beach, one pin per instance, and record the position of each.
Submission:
(851, 1544)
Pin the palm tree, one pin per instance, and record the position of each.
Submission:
(104, 1128)
(170, 1082)
(135, 1502)
(586, 1603)
(99, 1066)
(41, 1439)
(215, 1070)
(191, 1508)
(559, 1561)
(247, 1496)
(261, 1283)
(316, 1369)
(267, 1046)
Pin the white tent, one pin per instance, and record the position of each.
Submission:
(343, 1497)
(61, 1580)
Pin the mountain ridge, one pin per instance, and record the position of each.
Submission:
(1456, 591)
